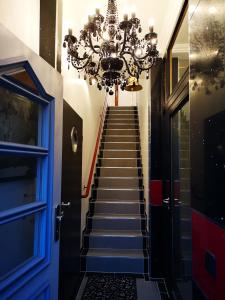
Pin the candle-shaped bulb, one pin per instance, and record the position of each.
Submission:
(125, 17)
(97, 11)
(70, 31)
(151, 24)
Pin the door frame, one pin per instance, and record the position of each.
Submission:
(176, 100)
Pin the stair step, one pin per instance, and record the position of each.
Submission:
(120, 145)
(121, 138)
(117, 207)
(110, 117)
(133, 121)
(119, 194)
(116, 222)
(122, 108)
(121, 126)
(119, 162)
(114, 239)
(122, 112)
(115, 261)
(118, 182)
(119, 153)
(119, 172)
(123, 132)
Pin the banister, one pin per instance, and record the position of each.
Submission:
(96, 151)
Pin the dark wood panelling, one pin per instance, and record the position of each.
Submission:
(48, 30)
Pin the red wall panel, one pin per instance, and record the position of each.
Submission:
(208, 236)
(156, 192)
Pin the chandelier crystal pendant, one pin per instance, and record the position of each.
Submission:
(109, 52)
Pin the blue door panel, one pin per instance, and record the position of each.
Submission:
(30, 185)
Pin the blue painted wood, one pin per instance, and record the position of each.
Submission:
(21, 211)
(18, 149)
(41, 270)
(22, 91)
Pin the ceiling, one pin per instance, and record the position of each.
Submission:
(164, 12)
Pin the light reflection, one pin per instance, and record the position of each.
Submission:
(212, 10)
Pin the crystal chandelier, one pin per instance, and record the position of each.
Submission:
(109, 52)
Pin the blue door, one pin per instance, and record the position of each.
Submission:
(29, 187)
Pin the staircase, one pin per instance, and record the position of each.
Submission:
(115, 238)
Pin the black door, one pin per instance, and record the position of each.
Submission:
(71, 204)
(176, 203)
(181, 202)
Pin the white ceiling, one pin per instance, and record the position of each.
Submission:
(164, 12)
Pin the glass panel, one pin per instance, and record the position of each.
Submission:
(180, 53)
(19, 245)
(182, 237)
(18, 118)
(18, 176)
(207, 91)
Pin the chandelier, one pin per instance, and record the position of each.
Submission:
(109, 52)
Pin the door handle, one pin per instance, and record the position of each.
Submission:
(166, 201)
(68, 204)
(58, 221)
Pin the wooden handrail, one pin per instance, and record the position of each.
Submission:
(96, 151)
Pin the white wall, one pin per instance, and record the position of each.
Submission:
(22, 18)
(125, 99)
(143, 104)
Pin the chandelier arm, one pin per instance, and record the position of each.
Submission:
(99, 63)
(143, 57)
(91, 44)
(71, 52)
(124, 41)
(137, 62)
(80, 68)
(127, 67)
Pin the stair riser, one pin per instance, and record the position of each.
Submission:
(121, 132)
(120, 139)
(116, 208)
(115, 265)
(119, 154)
(118, 172)
(121, 121)
(121, 116)
(118, 183)
(121, 126)
(119, 163)
(115, 242)
(116, 224)
(117, 194)
(122, 112)
(117, 108)
(120, 146)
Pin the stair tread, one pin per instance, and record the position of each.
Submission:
(119, 177)
(117, 189)
(120, 158)
(117, 216)
(116, 253)
(120, 233)
(120, 201)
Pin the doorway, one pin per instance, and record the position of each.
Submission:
(70, 233)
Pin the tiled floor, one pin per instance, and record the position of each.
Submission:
(121, 287)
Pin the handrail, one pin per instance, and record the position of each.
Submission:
(96, 151)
